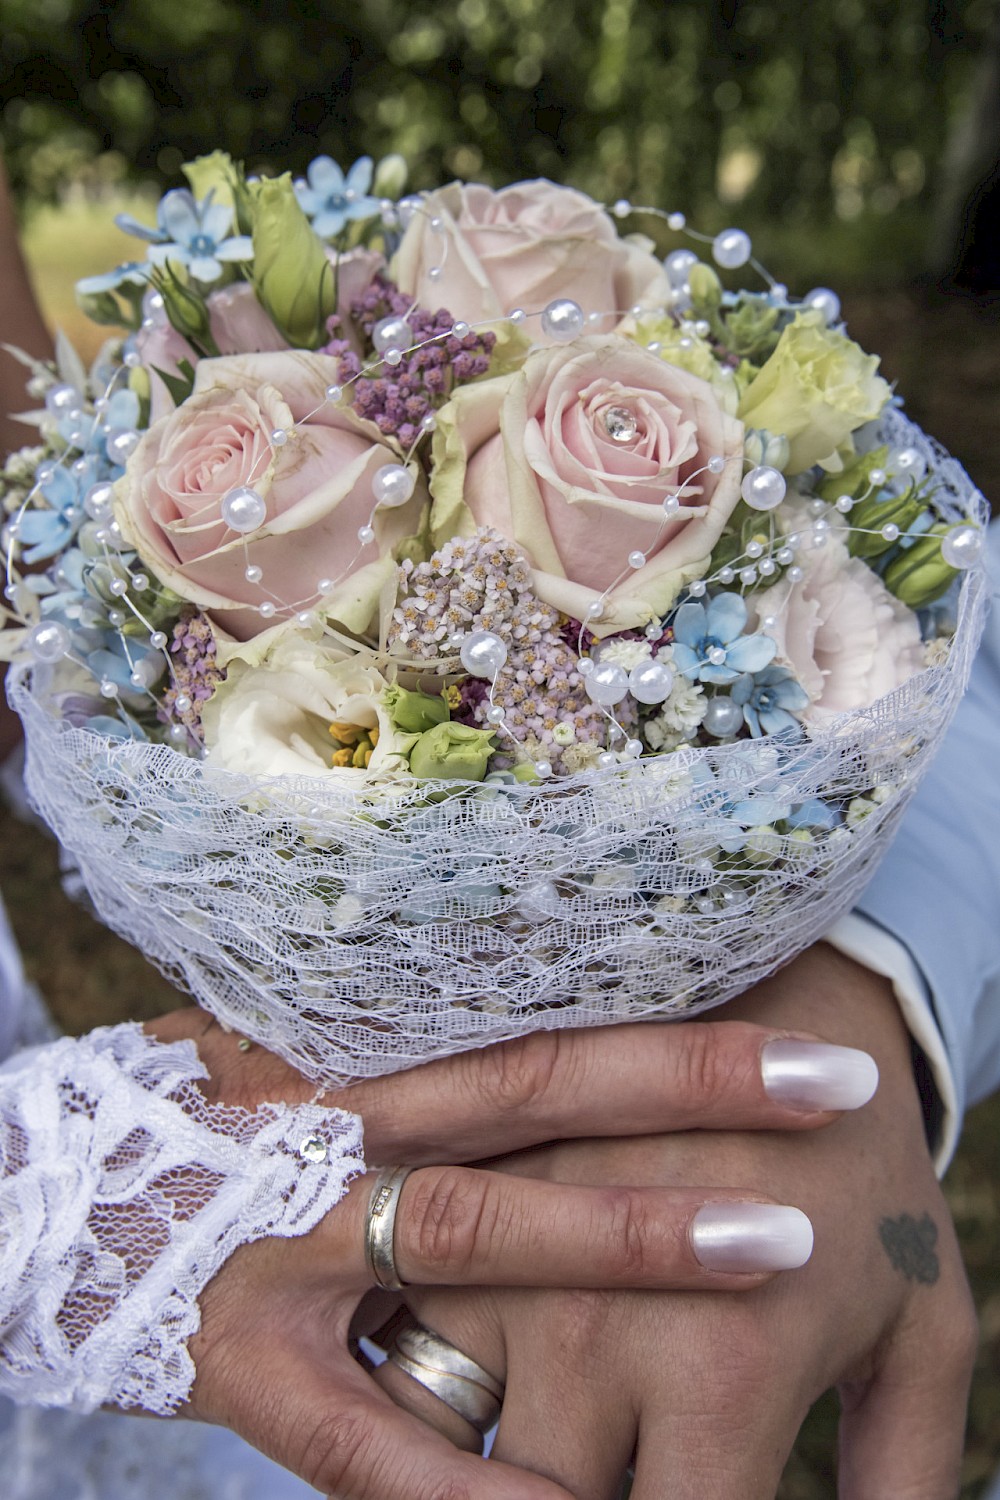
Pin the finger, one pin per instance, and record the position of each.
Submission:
(564, 1085)
(351, 1442)
(725, 1429)
(456, 1226)
(567, 1414)
(902, 1433)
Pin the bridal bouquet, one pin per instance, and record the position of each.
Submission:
(441, 616)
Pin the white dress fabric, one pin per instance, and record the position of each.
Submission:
(87, 1316)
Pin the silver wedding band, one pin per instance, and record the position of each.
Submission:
(380, 1227)
(441, 1368)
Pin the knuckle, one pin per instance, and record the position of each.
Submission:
(452, 1214)
(521, 1075)
(628, 1233)
(336, 1448)
(709, 1069)
(579, 1322)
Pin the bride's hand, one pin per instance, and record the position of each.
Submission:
(272, 1356)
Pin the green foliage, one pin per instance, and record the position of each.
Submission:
(818, 127)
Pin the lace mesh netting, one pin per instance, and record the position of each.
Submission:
(356, 935)
(122, 1192)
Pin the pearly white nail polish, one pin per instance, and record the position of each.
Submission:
(751, 1237)
(816, 1075)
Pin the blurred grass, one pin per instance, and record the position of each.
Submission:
(945, 354)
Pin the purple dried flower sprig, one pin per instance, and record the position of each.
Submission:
(402, 396)
(195, 673)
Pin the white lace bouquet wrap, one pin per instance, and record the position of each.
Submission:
(356, 933)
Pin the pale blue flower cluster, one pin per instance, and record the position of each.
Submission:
(188, 233)
(709, 644)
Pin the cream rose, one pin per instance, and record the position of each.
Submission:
(815, 389)
(844, 637)
(572, 458)
(273, 716)
(317, 488)
(522, 246)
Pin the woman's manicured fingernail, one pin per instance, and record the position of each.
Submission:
(751, 1237)
(816, 1075)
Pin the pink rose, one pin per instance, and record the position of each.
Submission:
(572, 458)
(239, 324)
(523, 246)
(840, 631)
(317, 487)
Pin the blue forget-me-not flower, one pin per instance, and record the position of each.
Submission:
(769, 700)
(332, 200)
(195, 235)
(709, 644)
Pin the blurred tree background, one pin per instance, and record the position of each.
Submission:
(857, 140)
(847, 135)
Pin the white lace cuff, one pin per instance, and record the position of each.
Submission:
(122, 1192)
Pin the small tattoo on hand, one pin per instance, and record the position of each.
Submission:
(909, 1244)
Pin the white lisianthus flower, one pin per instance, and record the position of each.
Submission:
(279, 716)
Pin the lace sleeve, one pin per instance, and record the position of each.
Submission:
(122, 1192)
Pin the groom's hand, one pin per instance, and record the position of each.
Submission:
(710, 1391)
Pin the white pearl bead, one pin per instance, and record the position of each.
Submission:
(158, 640)
(333, 393)
(962, 546)
(516, 315)
(716, 463)
(391, 333)
(748, 576)
(177, 734)
(795, 575)
(650, 682)
(722, 717)
(563, 320)
(182, 703)
(266, 610)
(622, 208)
(585, 666)
(116, 617)
(494, 714)
(543, 768)
(763, 488)
(908, 461)
(678, 266)
(755, 549)
(845, 504)
(483, 653)
(607, 759)
(890, 531)
(366, 534)
(109, 689)
(697, 589)
(279, 437)
(766, 567)
(595, 609)
(392, 485)
(460, 329)
(140, 582)
(717, 655)
(878, 476)
(823, 301)
(636, 559)
(61, 399)
(671, 505)
(726, 574)
(97, 501)
(252, 573)
(606, 684)
(243, 510)
(48, 641)
(393, 356)
(633, 749)
(676, 222)
(121, 446)
(731, 249)
(119, 587)
(784, 555)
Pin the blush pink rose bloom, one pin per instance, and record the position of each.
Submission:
(317, 487)
(572, 457)
(239, 325)
(523, 246)
(840, 631)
